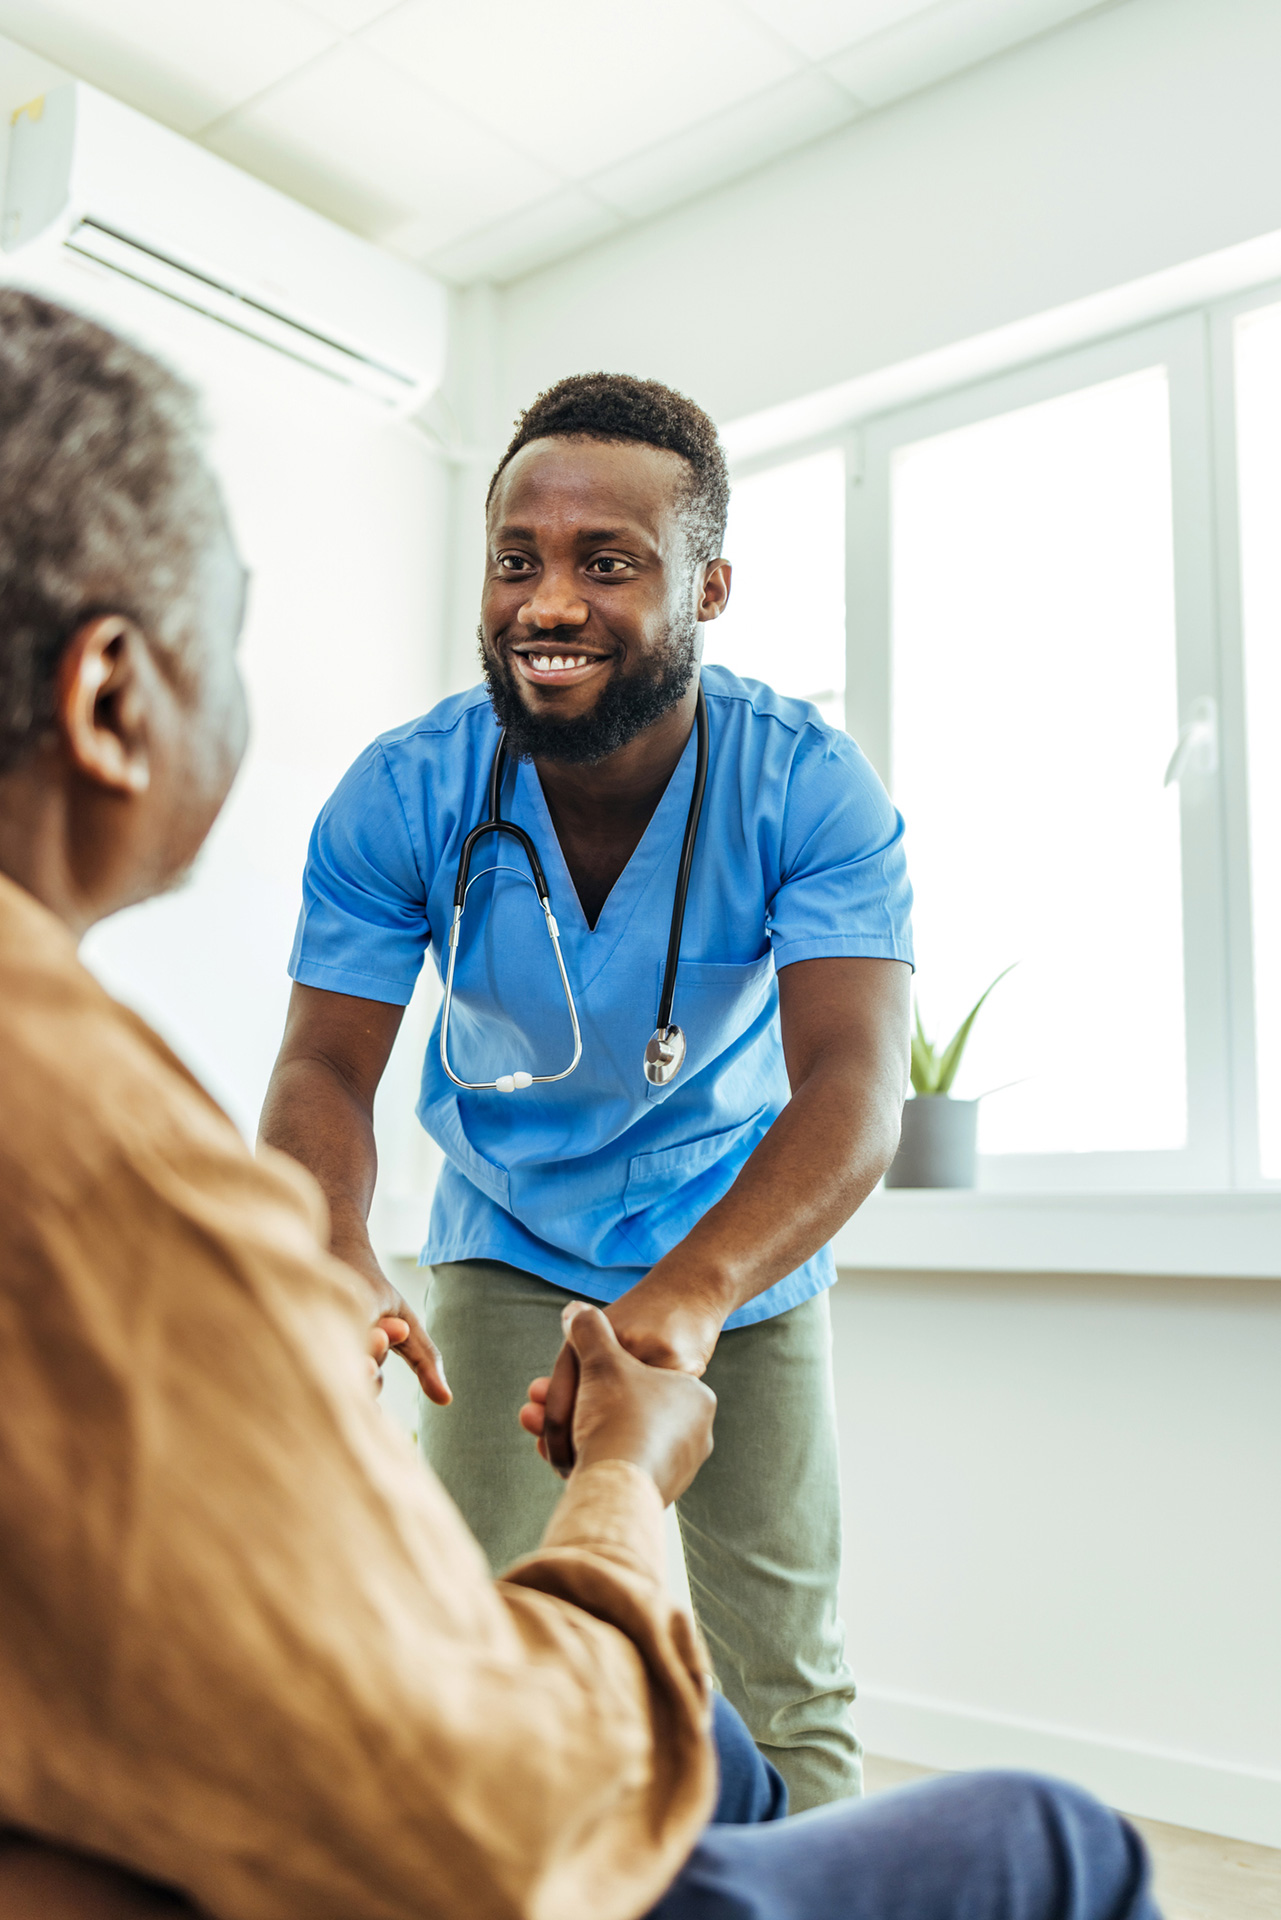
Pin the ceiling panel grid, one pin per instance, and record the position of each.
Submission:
(484, 139)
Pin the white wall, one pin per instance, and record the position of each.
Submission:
(1123, 144)
(1062, 1498)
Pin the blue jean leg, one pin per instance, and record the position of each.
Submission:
(981, 1846)
(751, 1789)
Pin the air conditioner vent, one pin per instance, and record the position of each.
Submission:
(93, 178)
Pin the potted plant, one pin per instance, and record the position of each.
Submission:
(937, 1147)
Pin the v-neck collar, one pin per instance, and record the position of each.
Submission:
(649, 861)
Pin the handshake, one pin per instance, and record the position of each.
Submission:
(599, 1403)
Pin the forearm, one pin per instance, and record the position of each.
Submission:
(844, 1025)
(813, 1170)
(311, 1114)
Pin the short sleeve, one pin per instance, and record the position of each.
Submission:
(844, 889)
(363, 928)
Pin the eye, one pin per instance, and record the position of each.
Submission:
(514, 563)
(607, 565)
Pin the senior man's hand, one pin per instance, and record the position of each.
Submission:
(603, 1404)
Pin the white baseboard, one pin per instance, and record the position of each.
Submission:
(1183, 1789)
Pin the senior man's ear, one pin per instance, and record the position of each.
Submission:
(102, 703)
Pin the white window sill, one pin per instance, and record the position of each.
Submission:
(1212, 1235)
(1215, 1235)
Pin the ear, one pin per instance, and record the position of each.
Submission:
(102, 704)
(714, 596)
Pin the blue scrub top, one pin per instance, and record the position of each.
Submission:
(588, 1182)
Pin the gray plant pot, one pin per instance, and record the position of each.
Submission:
(937, 1145)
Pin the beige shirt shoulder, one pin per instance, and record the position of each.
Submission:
(247, 1645)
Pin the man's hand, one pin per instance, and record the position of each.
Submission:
(666, 1330)
(407, 1337)
(602, 1404)
(320, 1111)
(398, 1329)
(661, 1330)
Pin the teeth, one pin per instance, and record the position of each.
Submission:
(556, 662)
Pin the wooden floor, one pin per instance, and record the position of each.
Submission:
(1199, 1876)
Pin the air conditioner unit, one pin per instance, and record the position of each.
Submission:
(91, 177)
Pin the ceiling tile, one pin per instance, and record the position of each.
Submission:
(349, 15)
(949, 38)
(369, 147)
(183, 65)
(771, 123)
(581, 83)
(532, 238)
(822, 27)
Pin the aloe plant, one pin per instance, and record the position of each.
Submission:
(933, 1068)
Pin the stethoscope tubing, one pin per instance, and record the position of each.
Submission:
(462, 888)
(692, 819)
(495, 824)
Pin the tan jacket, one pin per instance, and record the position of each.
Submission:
(247, 1645)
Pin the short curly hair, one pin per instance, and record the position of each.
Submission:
(105, 501)
(616, 407)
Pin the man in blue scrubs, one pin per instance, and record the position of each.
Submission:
(699, 1212)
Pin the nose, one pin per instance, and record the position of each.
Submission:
(555, 602)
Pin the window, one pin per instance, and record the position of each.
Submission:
(1035, 707)
(1064, 656)
(785, 623)
(1258, 425)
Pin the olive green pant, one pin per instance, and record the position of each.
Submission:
(761, 1525)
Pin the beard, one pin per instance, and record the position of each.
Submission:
(628, 703)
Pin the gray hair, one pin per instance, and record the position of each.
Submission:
(106, 503)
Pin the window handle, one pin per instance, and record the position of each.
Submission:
(1197, 748)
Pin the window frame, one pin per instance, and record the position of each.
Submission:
(1221, 320)
(1196, 346)
(772, 461)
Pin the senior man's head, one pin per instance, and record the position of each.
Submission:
(122, 716)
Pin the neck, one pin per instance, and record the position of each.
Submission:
(38, 832)
(630, 781)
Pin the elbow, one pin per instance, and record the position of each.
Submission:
(883, 1145)
(879, 1136)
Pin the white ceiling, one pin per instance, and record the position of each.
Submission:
(482, 138)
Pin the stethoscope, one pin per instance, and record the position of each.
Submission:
(665, 1049)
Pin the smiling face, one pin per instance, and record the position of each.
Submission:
(591, 605)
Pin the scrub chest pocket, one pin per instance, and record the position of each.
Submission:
(664, 1185)
(720, 1001)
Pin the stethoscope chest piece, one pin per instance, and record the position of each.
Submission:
(664, 1056)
